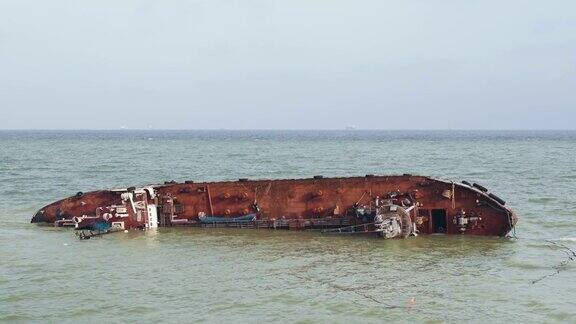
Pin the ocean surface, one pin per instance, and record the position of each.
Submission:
(235, 275)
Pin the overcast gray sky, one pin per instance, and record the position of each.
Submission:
(287, 64)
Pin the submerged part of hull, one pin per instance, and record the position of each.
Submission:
(433, 206)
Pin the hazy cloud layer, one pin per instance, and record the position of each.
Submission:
(288, 64)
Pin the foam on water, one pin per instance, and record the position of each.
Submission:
(570, 239)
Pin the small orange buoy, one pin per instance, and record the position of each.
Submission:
(411, 302)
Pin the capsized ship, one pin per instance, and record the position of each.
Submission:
(383, 206)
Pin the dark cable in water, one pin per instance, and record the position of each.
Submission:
(571, 256)
(409, 306)
(366, 296)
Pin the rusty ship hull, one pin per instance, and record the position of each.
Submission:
(388, 206)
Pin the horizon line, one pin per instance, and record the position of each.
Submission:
(290, 129)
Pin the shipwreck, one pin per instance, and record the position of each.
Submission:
(382, 206)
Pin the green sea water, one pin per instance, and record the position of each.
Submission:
(234, 275)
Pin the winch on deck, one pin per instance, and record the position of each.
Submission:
(384, 218)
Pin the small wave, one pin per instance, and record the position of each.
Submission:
(566, 239)
(541, 199)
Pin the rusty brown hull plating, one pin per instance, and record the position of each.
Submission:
(300, 204)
